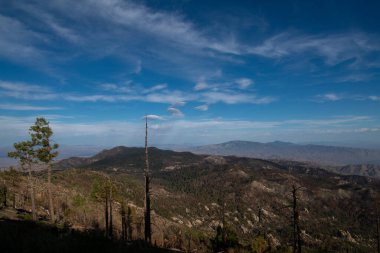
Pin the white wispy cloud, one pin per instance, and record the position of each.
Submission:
(330, 97)
(179, 104)
(234, 98)
(177, 130)
(175, 112)
(336, 97)
(202, 107)
(348, 131)
(201, 86)
(156, 88)
(178, 43)
(374, 98)
(333, 121)
(22, 87)
(26, 91)
(132, 88)
(334, 48)
(158, 23)
(156, 94)
(154, 117)
(100, 98)
(355, 77)
(123, 88)
(18, 107)
(174, 41)
(244, 82)
(169, 97)
(17, 41)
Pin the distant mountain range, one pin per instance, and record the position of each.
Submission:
(64, 152)
(132, 159)
(320, 154)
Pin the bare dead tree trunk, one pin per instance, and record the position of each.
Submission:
(14, 200)
(106, 212)
(224, 237)
(5, 191)
(189, 243)
(123, 222)
(296, 229)
(259, 214)
(129, 224)
(31, 187)
(51, 208)
(147, 231)
(110, 205)
(378, 230)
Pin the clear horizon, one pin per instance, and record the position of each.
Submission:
(208, 72)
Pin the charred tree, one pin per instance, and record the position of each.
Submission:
(4, 191)
(129, 224)
(106, 213)
(110, 212)
(297, 248)
(147, 212)
(378, 230)
(123, 222)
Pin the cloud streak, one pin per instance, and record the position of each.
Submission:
(333, 97)
(333, 49)
(202, 107)
(175, 112)
(178, 42)
(26, 91)
(166, 131)
(18, 107)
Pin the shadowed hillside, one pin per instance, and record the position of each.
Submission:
(27, 236)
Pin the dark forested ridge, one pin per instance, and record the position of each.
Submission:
(193, 196)
(130, 158)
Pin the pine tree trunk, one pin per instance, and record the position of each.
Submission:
(51, 207)
(31, 186)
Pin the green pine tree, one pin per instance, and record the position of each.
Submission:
(41, 134)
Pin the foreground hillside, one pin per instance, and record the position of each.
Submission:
(27, 236)
(193, 194)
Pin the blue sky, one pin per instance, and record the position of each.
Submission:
(208, 71)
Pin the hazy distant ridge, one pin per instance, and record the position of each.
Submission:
(326, 155)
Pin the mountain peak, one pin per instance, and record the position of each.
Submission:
(281, 143)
